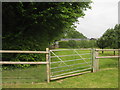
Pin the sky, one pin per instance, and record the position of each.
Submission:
(102, 16)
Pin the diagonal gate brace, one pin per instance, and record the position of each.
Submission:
(58, 58)
(81, 57)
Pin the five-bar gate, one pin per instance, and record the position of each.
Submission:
(70, 62)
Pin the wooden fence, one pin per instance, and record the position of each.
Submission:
(96, 57)
(94, 52)
(33, 52)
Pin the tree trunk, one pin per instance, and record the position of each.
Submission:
(102, 51)
(114, 52)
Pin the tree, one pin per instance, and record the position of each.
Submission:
(34, 25)
(74, 34)
(20, 20)
(110, 38)
(117, 33)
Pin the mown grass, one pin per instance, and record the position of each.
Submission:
(101, 79)
(109, 62)
(107, 77)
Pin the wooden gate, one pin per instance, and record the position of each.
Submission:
(69, 62)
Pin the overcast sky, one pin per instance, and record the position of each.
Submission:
(103, 15)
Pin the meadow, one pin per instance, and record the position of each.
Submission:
(35, 77)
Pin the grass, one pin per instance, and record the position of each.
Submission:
(107, 77)
(28, 75)
(101, 79)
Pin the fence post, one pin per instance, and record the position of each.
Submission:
(95, 62)
(48, 65)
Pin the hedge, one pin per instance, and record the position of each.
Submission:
(78, 44)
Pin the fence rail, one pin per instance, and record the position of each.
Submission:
(107, 49)
(23, 62)
(16, 51)
(108, 57)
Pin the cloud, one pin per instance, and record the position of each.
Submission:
(104, 15)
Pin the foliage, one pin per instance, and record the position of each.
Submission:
(110, 39)
(74, 34)
(35, 25)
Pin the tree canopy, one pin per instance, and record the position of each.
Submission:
(74, 34)
(111, 38)
(34, 25)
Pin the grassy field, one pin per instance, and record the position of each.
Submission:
(35, 77)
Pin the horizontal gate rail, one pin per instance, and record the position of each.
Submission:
(70, 55)
(69, 60)
(69, 65)
(70, 49)
(70, 72)
(70, 75)
(23, 62)
(70, 69)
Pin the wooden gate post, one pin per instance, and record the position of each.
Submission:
(95, 61)
(48, 65)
